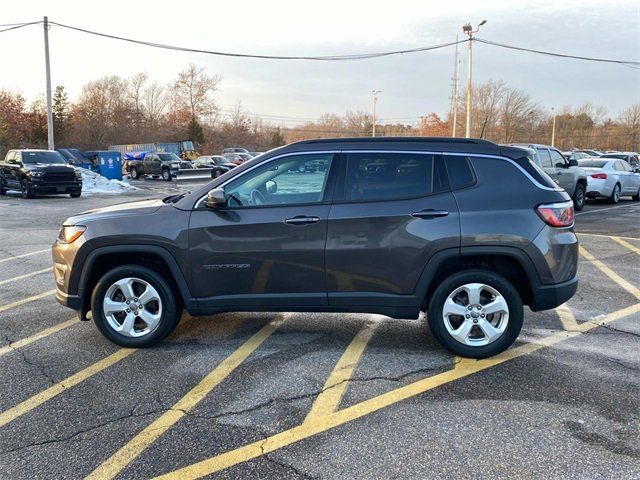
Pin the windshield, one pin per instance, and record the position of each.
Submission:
(43, 157)
(592, 163)
(169, 157)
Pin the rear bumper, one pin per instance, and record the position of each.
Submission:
(546, 297)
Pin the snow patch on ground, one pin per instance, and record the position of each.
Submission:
(93, 182)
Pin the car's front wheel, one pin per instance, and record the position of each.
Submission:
(166, 175)
(75, 194)
(475, 313)
(3, 189)
(134, 306)
(26, 189)
(133, 172)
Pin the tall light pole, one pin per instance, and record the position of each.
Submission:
(468, 29)
(51, 143)
(374, 100)
(553, 127)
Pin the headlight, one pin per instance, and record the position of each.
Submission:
(69, 234)
(37, 173)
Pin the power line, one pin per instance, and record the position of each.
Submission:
(361, 56)
(554, 54)
(15, 26)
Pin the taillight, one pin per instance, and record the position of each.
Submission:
(602, 176)
(557, 214)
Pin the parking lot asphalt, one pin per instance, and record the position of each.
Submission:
(317, 395)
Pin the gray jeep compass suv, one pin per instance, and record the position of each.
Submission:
(465, 230)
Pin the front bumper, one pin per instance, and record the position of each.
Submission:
(546, 297)
(55, 187)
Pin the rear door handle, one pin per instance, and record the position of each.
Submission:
(430, 214)
(302, 220)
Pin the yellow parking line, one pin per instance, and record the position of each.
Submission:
(17, 303)
(15, 257)
(334, 388)
(26, 275)
(37, 336)
(569, 322)
(626, 244)
(610, 273)
(606, 236)
(123, 457)
(56, 389)
(462, 368)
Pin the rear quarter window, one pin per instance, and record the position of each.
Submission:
(460, 172)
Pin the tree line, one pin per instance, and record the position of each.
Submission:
(117, 110)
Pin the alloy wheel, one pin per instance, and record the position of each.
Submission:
(475, 314)
(132, 307)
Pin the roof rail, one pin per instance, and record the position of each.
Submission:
(476, 141)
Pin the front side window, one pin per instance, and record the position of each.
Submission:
(295, 179)
(545, 158)
(388, 176)
(557, 159)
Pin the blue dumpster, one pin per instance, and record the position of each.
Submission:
(107, 163)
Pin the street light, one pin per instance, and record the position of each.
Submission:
(468, 29)
(374, 94)
(553, 127)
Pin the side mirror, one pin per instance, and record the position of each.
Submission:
(272, 186)
(216, 198)
(573, 162)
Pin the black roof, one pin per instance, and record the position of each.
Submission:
(439, 144)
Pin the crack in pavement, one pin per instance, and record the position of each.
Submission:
(30, 362)
(288, 466)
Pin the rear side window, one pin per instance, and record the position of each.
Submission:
(460, 172)
(388, 176)
(538, 173)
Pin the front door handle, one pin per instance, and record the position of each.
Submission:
(430, 214)
(302, 220)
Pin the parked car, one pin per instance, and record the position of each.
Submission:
(219, 165)
(237, 158)
(632, 158)
(575, 155)
(591, 153)
(565, 173)
(161, 164)
(234, 150)
(611, 178)
(255, 154)
(470, 235)
(39, 171)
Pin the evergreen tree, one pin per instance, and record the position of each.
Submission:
(60, 109)
(196, 134)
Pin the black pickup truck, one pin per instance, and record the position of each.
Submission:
(38, 171)
(161, 164)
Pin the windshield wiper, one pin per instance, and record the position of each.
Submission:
(175, 198)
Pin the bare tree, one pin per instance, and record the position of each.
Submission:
(630, 121)
(194, 90)
(154, 103)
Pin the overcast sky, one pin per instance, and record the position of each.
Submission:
(411, 85)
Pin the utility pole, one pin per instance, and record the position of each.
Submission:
(45, 24)
(374, 99)
(553, 127)
(454, 97)
(468, 29)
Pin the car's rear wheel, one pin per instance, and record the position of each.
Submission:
(166, 175)
(615, 194)
(133, 173)
(26, 189)
(579, 197)
(475, 313)
(134, 306)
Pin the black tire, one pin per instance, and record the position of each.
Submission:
(166, 175)
(493, 280)
(3, 190)
(615, 195)
(579, 197)
(75, 195)
(133, 173)
(170, 315)
(636, 197)
(26, 189)
(216, 173)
